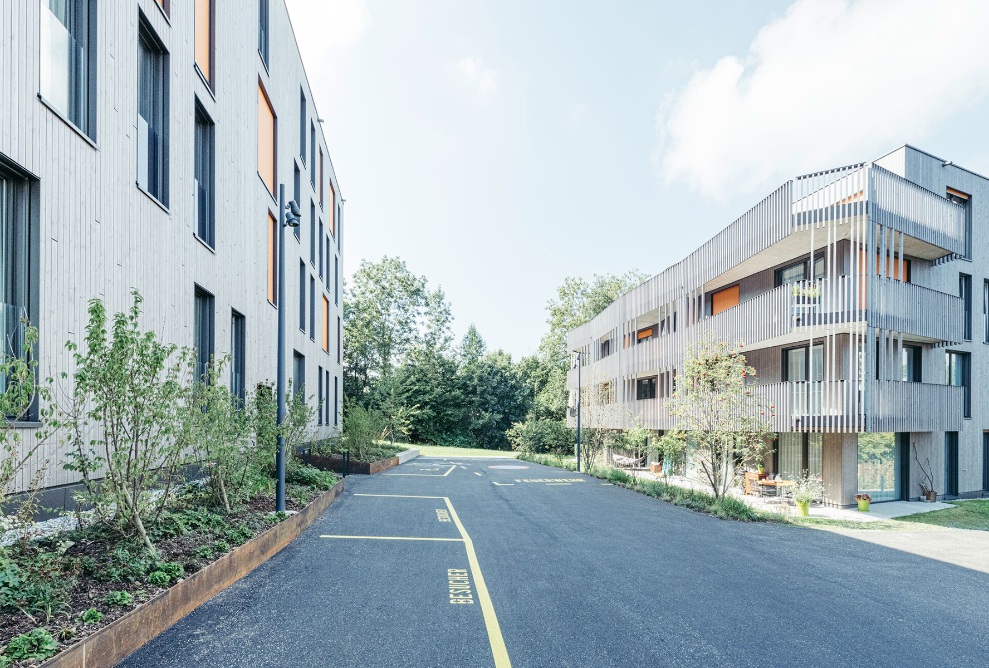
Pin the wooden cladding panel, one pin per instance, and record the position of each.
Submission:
(722, 300)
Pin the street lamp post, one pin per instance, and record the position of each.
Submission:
(578, 409)
(288, 216)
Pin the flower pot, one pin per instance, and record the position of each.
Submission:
(803, 508)
(762, 469)
(863, 506)
(932, 497)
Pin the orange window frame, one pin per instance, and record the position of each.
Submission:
(266, 140)
(722, 300)
(643, 334)
(204, 38)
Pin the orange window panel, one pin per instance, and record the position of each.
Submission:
(204, 38)
(326, 324)
(266, 140)
(959, 194)
(272, 262)
(644, 333)
(722, 300)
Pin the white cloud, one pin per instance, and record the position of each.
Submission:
(482, 81)
(829, 81)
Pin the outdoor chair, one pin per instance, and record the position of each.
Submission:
(628, 462)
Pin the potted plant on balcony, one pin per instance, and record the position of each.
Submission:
(863, 500)
(806, 490)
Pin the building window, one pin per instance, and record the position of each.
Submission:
(303, 117)
(604, 349)
(319, 406)
(338, 234)
(152, 116)
(204, 39)
(312, 308)
(645, 388)
(266, 140)
(166, 6)
(298, 374)
(312, 153)
(333, 199)
(326, 325)
(297, 230)
(321, 177)
(339, 337)
(722, 300)
(326, 404)
(912, 364)
(302, 295)
(328, 252)
(18, 280)
(985, 311)
(958, 373)
(336, 280)
(238, 356)
(203, 333)
(263, 31)
(963, 200)
(880, 466)
(68, 62)
(320, 265)
(951, 463)
(312, 233)
(965, 292)
(336, 400)
(985, 461)
(204, 178)
(798, 271)
(272, 259)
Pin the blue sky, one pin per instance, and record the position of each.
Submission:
(499, 146)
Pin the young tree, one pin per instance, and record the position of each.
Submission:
(721, 420)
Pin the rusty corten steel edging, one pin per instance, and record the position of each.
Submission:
(114, 643)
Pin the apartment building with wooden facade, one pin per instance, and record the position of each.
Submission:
(142, 146)
(861, 295)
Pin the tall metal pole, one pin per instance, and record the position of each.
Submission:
(579, 393)
(280, 365)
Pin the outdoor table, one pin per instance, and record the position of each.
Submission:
(780, 485)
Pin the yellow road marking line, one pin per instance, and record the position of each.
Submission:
(476, 473)
(402, 496)
(498, 650)
(426, 475)
(448, 540)
(551, 484)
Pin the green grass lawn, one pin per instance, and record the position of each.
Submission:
(968, 515)
(444, 451)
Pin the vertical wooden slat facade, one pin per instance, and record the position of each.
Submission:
(101, 236)
(881, 251)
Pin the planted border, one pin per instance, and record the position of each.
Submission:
(335, 463)
(118, 640)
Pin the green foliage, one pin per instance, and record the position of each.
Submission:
(37, 584)
(722, 421)
(91, 616)
(120, 598)
(124, 421)
(807, 489)
(536, 435)
(35, 645)
(159, 579)
(362, 428)
(298, 473)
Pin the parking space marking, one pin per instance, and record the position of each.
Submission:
(478, 473)
(444, 540)
(426, 475)
(503, 484)
(499, 651)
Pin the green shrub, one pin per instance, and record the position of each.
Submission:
(159, 579)
(221, 546)
(541, 436)
(120, 598)
(309, 476)
(91, 616)
(35, 645)
(37, 585)
(172, 569)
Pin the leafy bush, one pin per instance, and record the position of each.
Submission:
(124, 419)
(37, 586)
(91, 616)
(120, 598)
(159, 579)
(362, 428)
(35, 645)
(302, 474)
(541, 436)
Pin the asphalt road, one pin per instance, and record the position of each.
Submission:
(572, 573)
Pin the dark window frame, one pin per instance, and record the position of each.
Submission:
(965, 292)
(916, 367)
(238, 356)
(951, 463)
(298, 374)
(297, 184)
(319, 405)
(303, 275)
(645, 388)
(264, 30)
(81, 96)
(966, 374)
(312, 308)
(204, 330)
(205, 159)
(303, 117)
(149, 43)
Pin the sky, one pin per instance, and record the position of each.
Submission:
(499, 146)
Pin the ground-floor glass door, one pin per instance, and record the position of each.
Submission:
(951, 463)
(880, 461)
(800, 452)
